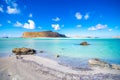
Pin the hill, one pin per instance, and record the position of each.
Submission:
(42, 34)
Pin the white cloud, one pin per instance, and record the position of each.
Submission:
(12, 7)
(78, 26)
(78, 16)
(56, 19)
(11, 10)
(86, 16)
(1, 9)
(98, 27)
(29, 25)
(18, 24)
(0, 25)
(9, 21)
(11, 2)
(109, 29)
(56, 26)
(30, 15)
(92, 28)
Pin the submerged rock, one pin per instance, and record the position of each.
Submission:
(84, 43)
(57, 55)
(41, 51)
(98, 62)
(23, 51)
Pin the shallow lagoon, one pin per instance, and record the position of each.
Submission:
(70, 51)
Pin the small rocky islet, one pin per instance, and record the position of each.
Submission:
(84, 43)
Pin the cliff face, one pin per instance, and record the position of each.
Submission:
(42, 34)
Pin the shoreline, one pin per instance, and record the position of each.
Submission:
(59, 38)
(34, 65)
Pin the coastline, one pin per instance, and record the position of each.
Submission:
(34, 67)
(59, 38)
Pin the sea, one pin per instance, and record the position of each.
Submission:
(106, 49)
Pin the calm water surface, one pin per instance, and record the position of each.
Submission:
(106, 49)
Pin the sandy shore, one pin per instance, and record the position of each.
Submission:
(31, 67)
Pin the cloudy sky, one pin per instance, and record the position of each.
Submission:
(99, 18)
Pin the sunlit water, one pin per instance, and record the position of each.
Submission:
(106, 49)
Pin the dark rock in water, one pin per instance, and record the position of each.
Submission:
(23, 51)
(84, 43)
(57, 55)
(62, 48)
(98, 62)
(41, 51)
(5, 37)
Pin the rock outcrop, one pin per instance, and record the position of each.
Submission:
(57, 56)
(23, 51)
(84, 43)
(97, 62)
(115, 66)
(42, 34)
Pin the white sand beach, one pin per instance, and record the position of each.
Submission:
(31, 67)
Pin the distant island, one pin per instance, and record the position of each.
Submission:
(116, 37)
(42, 34)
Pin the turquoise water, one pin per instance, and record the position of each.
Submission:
(106, 49)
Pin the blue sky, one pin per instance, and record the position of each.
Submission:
(100, 18)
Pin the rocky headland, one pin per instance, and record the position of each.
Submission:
(42, 34)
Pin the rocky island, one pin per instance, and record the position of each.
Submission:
(42, 34)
